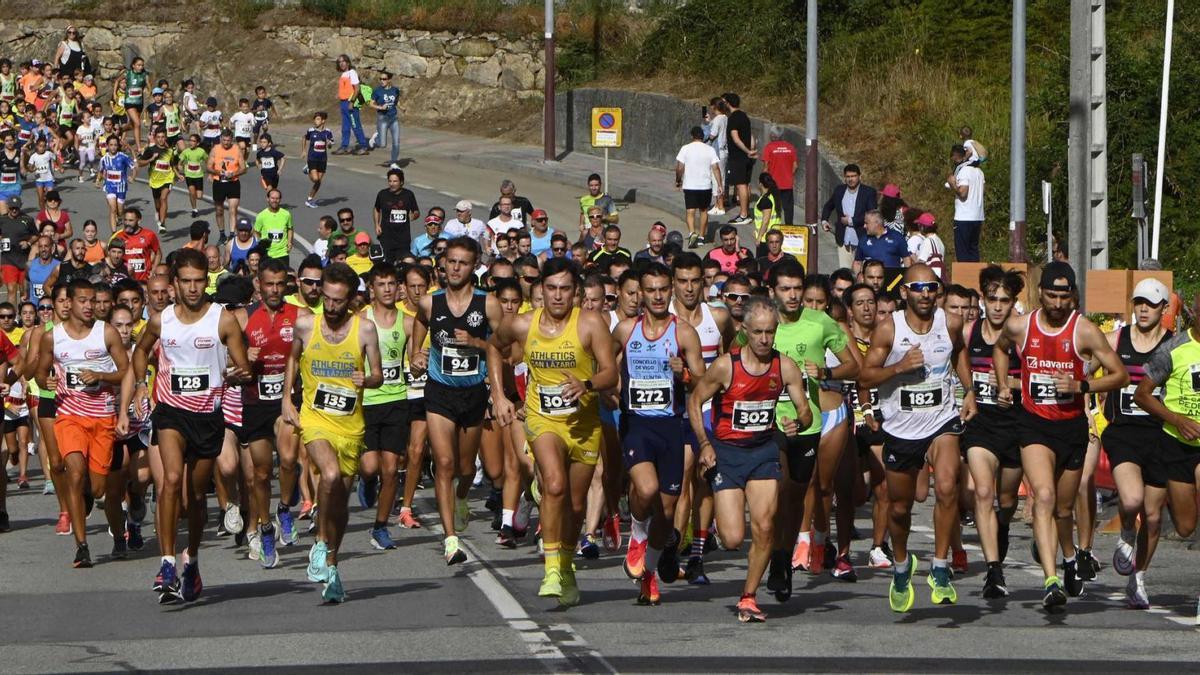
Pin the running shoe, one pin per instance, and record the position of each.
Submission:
(1135, 592)
(879, 559)
(748, 611)
(715, 211)
(285, 524)
(588, 547)
(740, 220)
(994, 585)
(694, 573)
(497, 522)
(967, 519)
(381, 540)
(1123, 558)
(958, 561)
(48, 487)
(368, 492)
(492, 503)
(63, 527)
(233, 519)
(462, 514)
(775, 577)
(83, 557)
(570, 590)
(317, 567)
(333, 592)
(394, 165)
(22, 482)
(668, 562)
(816, 560)
(137, 508)
(612, 533)
(842, 570)
(306, 510)
(693, 240)
(5, 524)
(551, 584)
(254, 546)
(800, 555)
(830, 553)
(648, 590)
(190, 581)
(312, 204)
(453, 554)
(120, 548)
(1055, 595)
(901, 595)
(269, 557)
(1088, 566)
(941, 590)
(167, 584)
(1071, 580)
(195, 212)
(313, 523)
(407, 521)
(635, 559)
(133, 536)
(524, 511)
(507, 538)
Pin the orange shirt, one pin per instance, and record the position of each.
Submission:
(347, 86)
(227, 160)
(87, 91)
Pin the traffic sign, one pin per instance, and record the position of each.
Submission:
(606, 127)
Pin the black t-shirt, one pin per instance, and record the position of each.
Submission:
(522, 207)
(394, 209)
(270, 167)
(261, 109)
(739, 122)
(14, 231)
(68, 272)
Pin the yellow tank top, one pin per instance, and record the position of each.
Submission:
(404, 310)
(548, 358)
(331, 401)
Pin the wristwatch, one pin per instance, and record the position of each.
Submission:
(587, 384)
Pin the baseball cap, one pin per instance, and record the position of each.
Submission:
(463, 205)
(432, 218)
(14, 202)
(244, 224)
(1054, 271)
(156, 91)
(538, 214)
(1151, 289)
(890, 190)
(89, 77)
(926, 219)
(362, 238)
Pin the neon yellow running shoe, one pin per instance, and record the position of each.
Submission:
(552, 584)
(570, 590)
(900, 594)
(941, 590)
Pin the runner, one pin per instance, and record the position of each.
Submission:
(1137, 443)
(10, 356)
(274, 226)
(989, 442)
(162, 160)
(225, 166)
(136, 79)
(189, 381)
(142, 251)
(328, 353)
(459, 320)
(416, 286)
(89, 364)
(193, 159)
(50, 310)
(385, 408)
(1055, 344)
(395, 209)
(659, 356)
(11, 168)
(913, 359)
(570, 356)
(740, 459)
(318, 140)
(270, 162)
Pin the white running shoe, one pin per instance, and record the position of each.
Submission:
(374, 141)
(879, 559)
(233, 519)
(255, 545)
(714, 211)
(1135, 591)
(1123, 558)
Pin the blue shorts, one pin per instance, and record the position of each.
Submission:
(658, 440)
(737, 466)
(608, 416)
(45, 184)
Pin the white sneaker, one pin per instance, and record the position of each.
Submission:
(714, 211)
(255, 545)
(394, 165)
(879, 560)
(374, 142)
(233, 519)
(1123, 558)
(1135, 592)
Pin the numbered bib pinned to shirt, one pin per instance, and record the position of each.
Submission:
(334, 400)
(1043, 391)
(270, 387)
(921, 397)
(552, 402)
(190, 381)
(460, 362)
(650, 394)
(393, 372)
(753, 416)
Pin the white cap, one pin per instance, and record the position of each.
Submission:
(463, 205)
(1151, 289)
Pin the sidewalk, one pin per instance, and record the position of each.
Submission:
(629, 182)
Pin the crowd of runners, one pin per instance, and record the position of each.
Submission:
(589, 385)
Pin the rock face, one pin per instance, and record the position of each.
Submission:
(296, 63)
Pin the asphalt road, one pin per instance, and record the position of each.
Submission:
(408, 611)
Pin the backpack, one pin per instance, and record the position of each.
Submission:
(364, 94)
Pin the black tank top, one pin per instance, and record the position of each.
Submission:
(980, 353)
(1119, 407)
(451, 365)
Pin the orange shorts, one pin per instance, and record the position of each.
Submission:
(92, 436)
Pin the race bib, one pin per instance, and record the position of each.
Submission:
(393, 372)
(416, 385)
(753, 416)
(318, 146)
(267, 163)
(397, 217)
(74, 377)
(8, 178)
(275, 236)
(645, 394)
(162, 166)
(172, 129)
(1195, 368)
(1126, 404)
(1042, 390)
(458, 362)
(5, 245)
(551, 401)
(270, 387)
(113, 176)
(135, 92)
(39, 291)
(137, 264)
(921, 397)
(193, 167)
(335, 400)
(191, 381)
(985, 391)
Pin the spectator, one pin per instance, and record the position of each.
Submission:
(541, 235)
(968, 185)
(849, 202)
(654, 245)
(892, 207)
(522, 208)
(69, 56)
(930, 249)
(697, 173)
(729, 252)
(384, 100)
(766, 210)
(610, 251)
(976, 153)
(715, 129)
(596, 197)
(349, 96)
(423, 244)
(882, 244)
(779, 158)
(774, 254)
(742, 152)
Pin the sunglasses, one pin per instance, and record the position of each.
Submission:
(310, 282)
(345, 220)
(559, 249)
(45, 308)
(532, 279)
(8, 316)
(923, 286)
(540, 220)
(595, 216)
(737, 297)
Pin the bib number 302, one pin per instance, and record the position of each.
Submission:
(753, 416)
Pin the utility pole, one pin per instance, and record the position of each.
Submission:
(1016, 184)
(811, 158)
(1079, 234)
(1160, 168)
(548, 145)
(1098, 139)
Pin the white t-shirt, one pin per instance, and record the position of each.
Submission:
(474, 229)
(697, 159)
(43, 165)
(242, 123)
(210, 121)
(930, 245)
(499, 227)
(972, 208)
(716, 131)
(914, 245)
(972, 151)
(189, 102)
